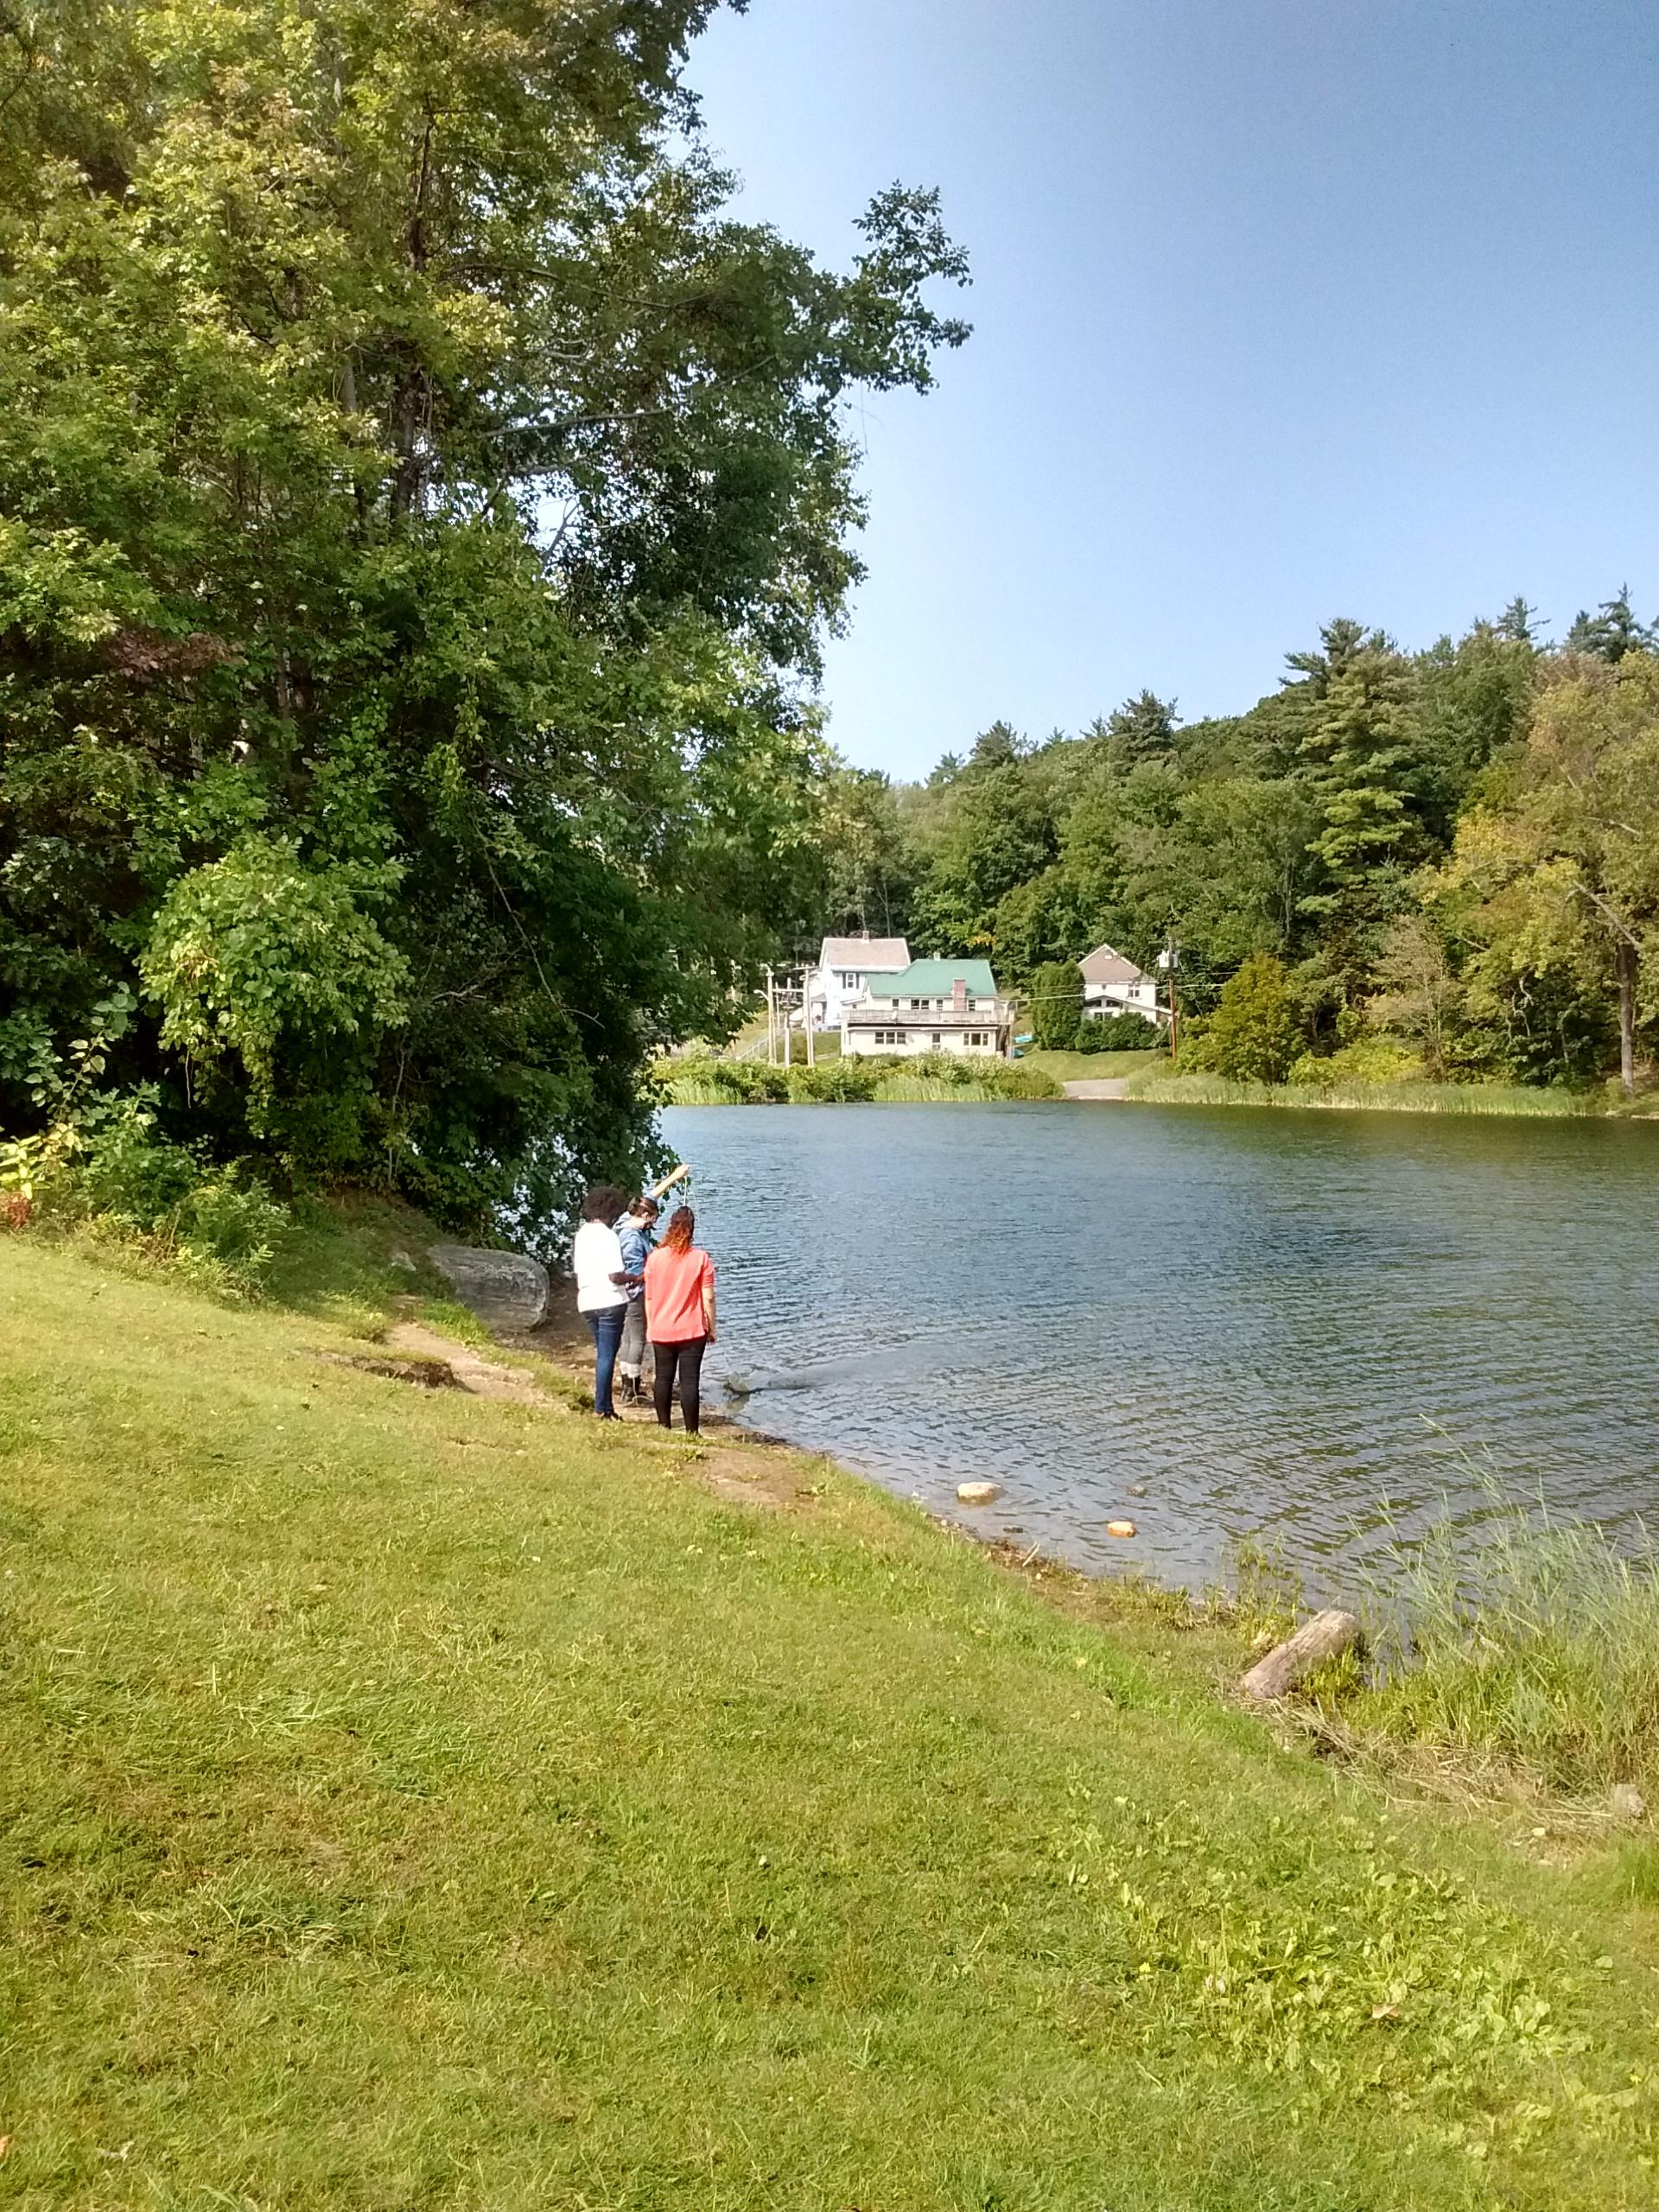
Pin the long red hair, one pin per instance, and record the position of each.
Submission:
(681, 1222)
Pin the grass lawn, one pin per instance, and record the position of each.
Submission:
(417, 1800)
(1078, 1067)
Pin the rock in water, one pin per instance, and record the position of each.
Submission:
(1119, 1527)
(507, 1290)
(978, 1493)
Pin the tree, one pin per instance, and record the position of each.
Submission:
(994, 830)
(1562, 871)
(1418, 994)
(1357, 769)
(870, 865)
(1612, 631)
(1254, 1032)
(1055, 996)
(1142, 728)
(421, 505)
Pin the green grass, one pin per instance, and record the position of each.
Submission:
(1165, 1089)
(415, 1801)
(1526, 1650)
(1082, 1067)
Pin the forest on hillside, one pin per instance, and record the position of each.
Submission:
(1444, 862)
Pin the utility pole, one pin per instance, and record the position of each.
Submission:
(771, 995)
(1169, 960)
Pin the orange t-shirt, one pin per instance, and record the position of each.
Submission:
(675, 1282)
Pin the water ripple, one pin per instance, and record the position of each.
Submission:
(1271, 1321)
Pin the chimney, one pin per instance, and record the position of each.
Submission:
(958, 995)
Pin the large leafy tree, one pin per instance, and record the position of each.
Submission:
(1554, 879)
(420, 505)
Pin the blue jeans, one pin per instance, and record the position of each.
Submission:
(605, 1326)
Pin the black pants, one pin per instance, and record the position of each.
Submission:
(686, 1360)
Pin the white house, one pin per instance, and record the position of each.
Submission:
(932, 1006)
(1112, 984)
(846, 965)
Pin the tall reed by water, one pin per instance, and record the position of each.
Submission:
(1157, 1087)
(1524, 1645)
(934, 1078)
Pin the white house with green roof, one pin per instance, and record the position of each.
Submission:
(932, 1006)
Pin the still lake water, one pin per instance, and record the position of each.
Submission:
(1274, 1320)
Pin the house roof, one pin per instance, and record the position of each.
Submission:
(932, 979)
(869, 955)
(1103, 965)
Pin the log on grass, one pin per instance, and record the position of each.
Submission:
(1327, 1636)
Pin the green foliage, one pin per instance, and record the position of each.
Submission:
(1120, 1032)
(115, 1176)
(1452, 850)
(1158, 1086)
(1253, 1035)
(1055, 993)
(835, 1082)
(1612, 631)
(257, 950)
(421, 501)
(1368, 1060)
(929, 1076)
(1530, 1648)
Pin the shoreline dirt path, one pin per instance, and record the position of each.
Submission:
(1109, 1086)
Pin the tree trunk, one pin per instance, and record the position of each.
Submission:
(1327, 1636)
(1624, 961)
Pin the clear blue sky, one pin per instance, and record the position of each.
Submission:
(1283, 309)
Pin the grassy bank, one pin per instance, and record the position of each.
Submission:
(936, 1077)
(1513, 1650)
(1084, 1067)
(417, 1800)
(1166, 1090)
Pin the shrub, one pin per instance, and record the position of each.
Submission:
(1119, 1032)
(834, 1082)
(1253, 1035)
(954, 1068)
(113, 1174)
(1374, 1060)
(1055, 992)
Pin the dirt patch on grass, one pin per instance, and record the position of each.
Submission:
(484, 1378)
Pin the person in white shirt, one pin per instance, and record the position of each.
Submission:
(603, 1286)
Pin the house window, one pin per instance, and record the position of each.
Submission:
(937, 1038)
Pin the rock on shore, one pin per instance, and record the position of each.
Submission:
(507, 1290)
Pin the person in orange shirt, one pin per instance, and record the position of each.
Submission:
(679, 1318)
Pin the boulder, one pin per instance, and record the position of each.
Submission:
(978, 1493)
(1626, 1802)
(507, 1290)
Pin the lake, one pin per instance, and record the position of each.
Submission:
(1273, 1320)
